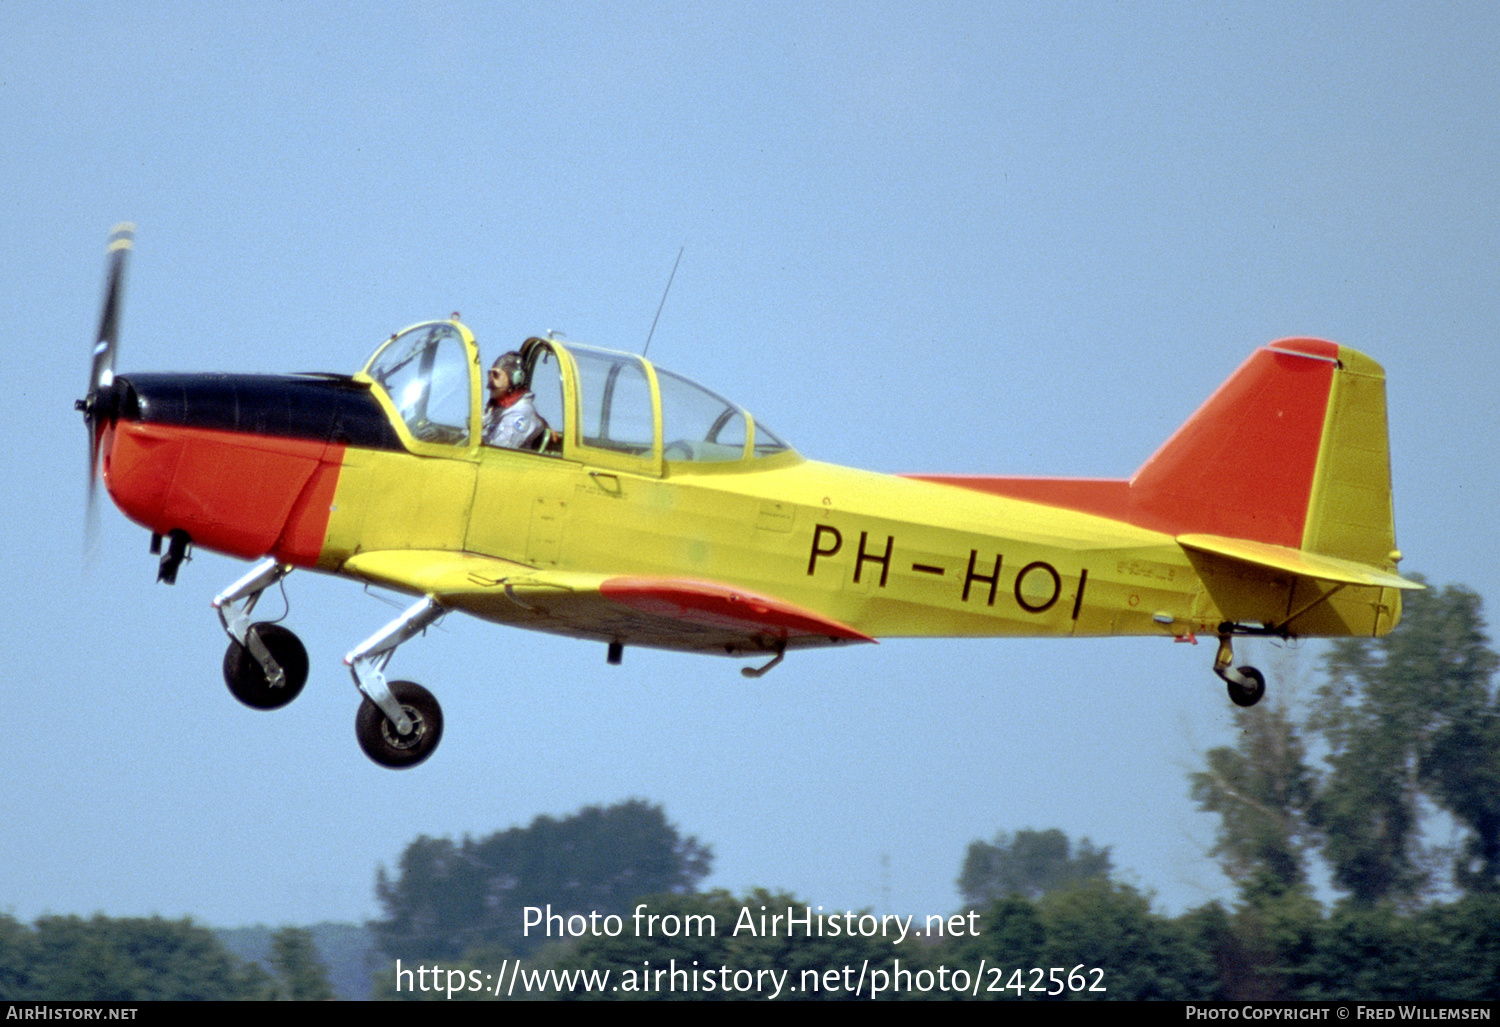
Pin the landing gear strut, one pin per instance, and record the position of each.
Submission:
(1246, 684)
(399, 724)
(265, 665)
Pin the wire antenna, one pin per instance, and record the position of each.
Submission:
(663, 302)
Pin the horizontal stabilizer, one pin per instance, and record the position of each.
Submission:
(1296, 561)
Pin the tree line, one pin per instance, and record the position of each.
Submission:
(1331, 823)
(145, 959)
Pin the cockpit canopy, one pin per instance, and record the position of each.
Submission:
(601, 407)
(428, 373)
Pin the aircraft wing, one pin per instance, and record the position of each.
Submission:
(660, 612)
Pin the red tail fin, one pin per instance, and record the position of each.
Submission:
(1244, 465)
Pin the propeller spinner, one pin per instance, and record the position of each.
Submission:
(99, 406)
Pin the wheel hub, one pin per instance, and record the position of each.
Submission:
(395, 739)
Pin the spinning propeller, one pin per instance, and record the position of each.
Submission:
(102, 403)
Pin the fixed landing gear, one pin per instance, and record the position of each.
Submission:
(265, 665)
(1246, 684)
(399, 724)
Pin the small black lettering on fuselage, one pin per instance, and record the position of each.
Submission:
(1032, 589)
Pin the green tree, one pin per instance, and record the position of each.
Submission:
(300, 974)
(451, 898)
(17, 956)
(1111, 927)
(1262, 791)
(1402, 715)
(1463, 961)
(1029, 864)
(432, 905)
(1371, 953)
(1461, 770)
(1011, 934)
(1102, 938)
(1271, 942)
(125, 960)
(1209, 932)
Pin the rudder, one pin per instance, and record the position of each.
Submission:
(1350, 512)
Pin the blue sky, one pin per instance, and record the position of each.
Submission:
(959, 237)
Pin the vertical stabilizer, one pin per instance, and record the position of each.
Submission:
(1244, 465)
(1279, 489)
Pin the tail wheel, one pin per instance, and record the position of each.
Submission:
(246, 678)
(378, 736)
(1251, 693)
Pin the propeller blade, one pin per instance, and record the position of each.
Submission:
(121, 240)
(102, 373)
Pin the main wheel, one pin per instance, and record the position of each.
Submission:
(1248, 695)
(246, 678)
(377, 735)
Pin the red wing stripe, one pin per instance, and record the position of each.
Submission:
(704, 602)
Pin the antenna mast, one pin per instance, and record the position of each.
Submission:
(663, 302)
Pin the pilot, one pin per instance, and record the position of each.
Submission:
(510, 417)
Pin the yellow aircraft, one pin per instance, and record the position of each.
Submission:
(645, 510)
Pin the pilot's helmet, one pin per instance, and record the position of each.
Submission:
(511, 364)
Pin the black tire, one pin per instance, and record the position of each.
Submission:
(1242, 695)
(247, 679)
(377, 735)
